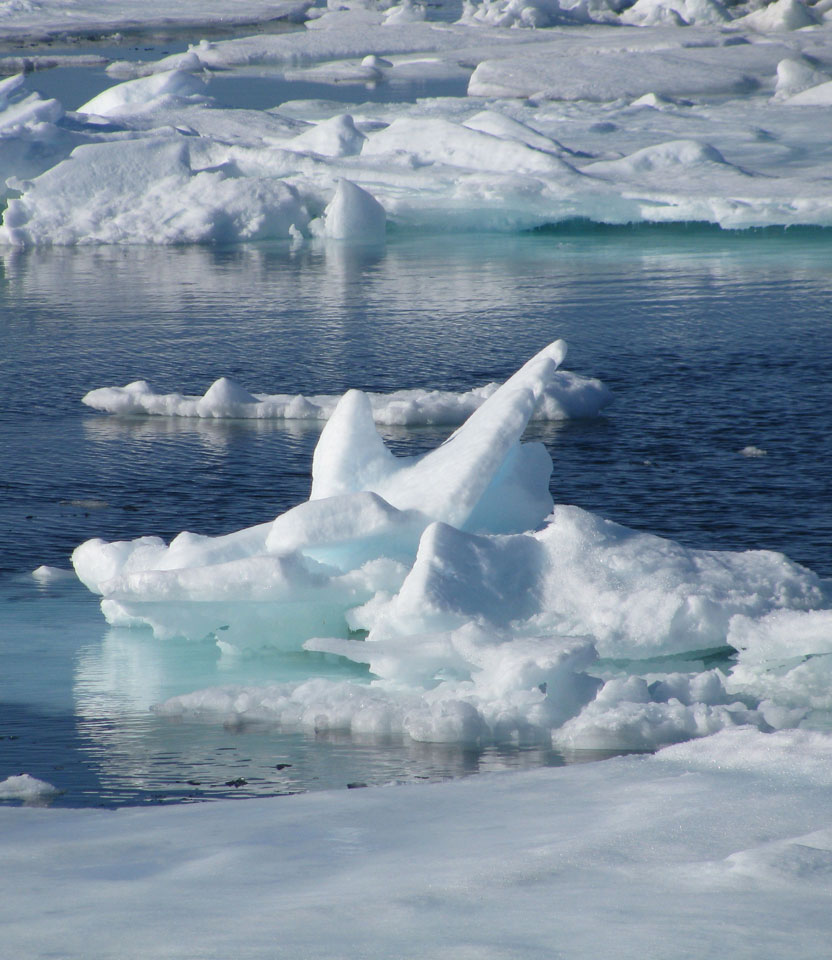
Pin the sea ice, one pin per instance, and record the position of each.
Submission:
(548, 131)
(717, 846)
(566, 395)
(481, 613)
(28, 789)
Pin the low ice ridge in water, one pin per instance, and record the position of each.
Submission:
(566, 395)
(483, 612)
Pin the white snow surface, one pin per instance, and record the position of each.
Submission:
(27, 788)
(566, 395)
(721, 120)
(41, 19)
(722, 846)
(483, 612)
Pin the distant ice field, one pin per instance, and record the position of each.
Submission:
(715, 437)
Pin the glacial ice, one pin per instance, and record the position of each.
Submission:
(482, 612)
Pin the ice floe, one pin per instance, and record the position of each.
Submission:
(27, 788)
(482, 613)
(566, 395)
(547, 132)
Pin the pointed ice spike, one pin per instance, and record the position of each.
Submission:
(350, 455)
(448, 483)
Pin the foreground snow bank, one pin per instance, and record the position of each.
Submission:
(482, 612)
(722, 846)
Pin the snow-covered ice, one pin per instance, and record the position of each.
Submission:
(566, 395)
(720, 846)
(483, 612)
(28, 789)
(664, 111)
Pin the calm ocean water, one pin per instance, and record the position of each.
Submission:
(711, 342)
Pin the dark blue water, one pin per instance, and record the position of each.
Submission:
(711, 342)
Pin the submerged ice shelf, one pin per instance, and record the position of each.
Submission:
(482, 613)
(664, 112)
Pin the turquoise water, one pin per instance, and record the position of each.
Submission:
(711, 342)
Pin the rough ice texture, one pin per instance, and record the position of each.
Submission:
(27, 788)
(705, 122)
(485, 615)
(565, 396)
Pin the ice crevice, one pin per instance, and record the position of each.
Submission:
(482, 611)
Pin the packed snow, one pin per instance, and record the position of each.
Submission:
(484, 612)
(663, 111)
(718, 846)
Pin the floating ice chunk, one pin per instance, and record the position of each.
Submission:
(96, 561)
(408, 11)
(354, 215)
(467, 685)
(20, 114)
(795, 75)
(640, 595)
(459, 577)
(132, 70)
(46, 574)
(539, 13)
(778, 16)
(635, 594)
(350, 455)
(8, 87)
(28, 789)
(254, 602)
(145, 93)
(651, 13)
(378, 63)
(782, 635)
(675, 72)
(567, 395)
(336, 137)
(225, 394)
(785, 662)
